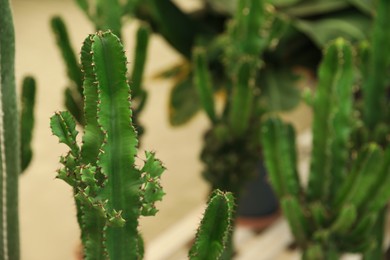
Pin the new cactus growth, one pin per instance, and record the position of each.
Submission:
(347, 188)
(110, 192)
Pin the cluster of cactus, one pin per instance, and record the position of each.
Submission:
(342, 207)
(306, 24)
(110, 192)
(230, 154)
(15, 135)
(104, 15)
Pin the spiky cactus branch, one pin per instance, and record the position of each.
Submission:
(110, 192)
(347, 189)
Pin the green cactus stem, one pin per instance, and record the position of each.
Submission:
(27, 119)
(111, 194)
(340, 209)
(9, 139)
(376, 79)
(214, 231)
(332, 121)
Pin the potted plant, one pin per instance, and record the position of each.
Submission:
(110, 192)
(342, 209)
(292, 34)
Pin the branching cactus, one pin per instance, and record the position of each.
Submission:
(110, 192)
(104, 15)
(230, 155)
(347, 189)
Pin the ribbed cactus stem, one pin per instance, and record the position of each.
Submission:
(332, 121)
(214, 231)
(9, 139)
(111, 193)
(378, 66)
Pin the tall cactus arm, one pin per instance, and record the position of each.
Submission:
(93, 224)
(108, 16)
(332, 125)
(214, 231)
(93, 136)
(119, 148)
(278, 140)
(62, 38)
(27, 119)
(9, 139)
(297, 219)
(242, 99)
(377, 77)
(365, 178)
(203, 84)
(140, 52)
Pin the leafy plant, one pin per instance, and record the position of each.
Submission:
(104, 15)
(15, 141)
(342, 208)
(110, 192)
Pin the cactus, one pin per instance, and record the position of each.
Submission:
(214, 231)
(229, 139)
(106, 14)
(348, 188)
(110, 192)
(27, 119)
(9, 139)
(15, 135)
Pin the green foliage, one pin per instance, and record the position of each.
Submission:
(111, 194)
(342, 208)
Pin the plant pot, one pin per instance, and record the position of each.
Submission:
(258, 206)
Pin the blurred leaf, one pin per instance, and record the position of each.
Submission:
(283, 3)
(364, 5)
(352, 26)
(184, 102)
(279, 89)
(310, 7)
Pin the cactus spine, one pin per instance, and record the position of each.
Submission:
(9, 139)
(347, 188)
(111, 194)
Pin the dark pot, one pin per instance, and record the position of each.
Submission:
(258, 206)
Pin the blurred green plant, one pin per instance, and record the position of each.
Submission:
(301, 29)
(342, 209)
(15, 135)
(105, 14)
(110, 192)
